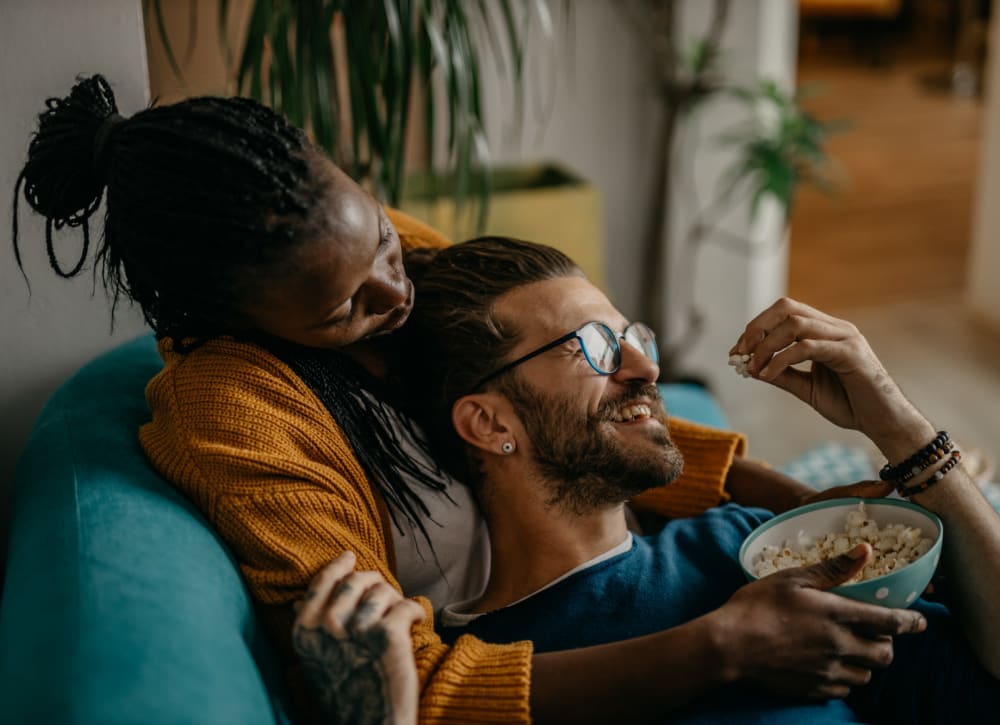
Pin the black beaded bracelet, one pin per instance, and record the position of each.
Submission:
(956, 456)
(931, 453)
(924, 463)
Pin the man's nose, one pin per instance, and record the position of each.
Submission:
(635, 365)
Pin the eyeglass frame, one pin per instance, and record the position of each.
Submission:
(583, 348)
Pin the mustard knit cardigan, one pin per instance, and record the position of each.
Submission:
(236, 431)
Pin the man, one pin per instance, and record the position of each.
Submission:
(537, 391)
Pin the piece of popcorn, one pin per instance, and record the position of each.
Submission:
(740, 362)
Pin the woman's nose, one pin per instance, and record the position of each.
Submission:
(385, 290)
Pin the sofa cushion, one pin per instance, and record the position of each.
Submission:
(120, 604)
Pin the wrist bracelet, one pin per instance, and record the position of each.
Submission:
(931, 453)
(924, 463)
(934, 477)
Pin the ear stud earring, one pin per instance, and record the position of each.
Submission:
(507, 447)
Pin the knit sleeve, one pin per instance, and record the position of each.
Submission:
(708, 454)
(238, 432)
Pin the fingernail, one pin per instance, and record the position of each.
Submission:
(857, 552)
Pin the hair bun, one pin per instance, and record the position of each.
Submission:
(62, 179)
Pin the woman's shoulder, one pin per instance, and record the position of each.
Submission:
(413, 233)
(228, 380)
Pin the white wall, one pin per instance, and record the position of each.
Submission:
(47, 335)
(983, 292)
(732, 286)
(602, 124)
(594, 114)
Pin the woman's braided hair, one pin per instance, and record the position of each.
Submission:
(206, 200)
(201, 196)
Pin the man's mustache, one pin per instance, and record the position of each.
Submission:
(635, 393)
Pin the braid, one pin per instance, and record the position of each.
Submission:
(66, 136)
(369, 413)
(224, 181)
(207, 200)
(230, 189)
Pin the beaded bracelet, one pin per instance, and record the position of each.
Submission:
(934, 478)
(931, 453)
(924, 463)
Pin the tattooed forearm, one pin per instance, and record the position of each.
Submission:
(347, 674)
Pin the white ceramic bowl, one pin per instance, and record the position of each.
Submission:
(896, 589)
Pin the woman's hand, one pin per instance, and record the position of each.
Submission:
(352, 633)
(861, 489)
(846, 382)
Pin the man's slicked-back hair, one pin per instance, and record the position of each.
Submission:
(454, 337)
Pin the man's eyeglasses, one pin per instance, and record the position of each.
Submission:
(599, 345)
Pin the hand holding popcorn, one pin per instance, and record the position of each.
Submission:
(846, 383)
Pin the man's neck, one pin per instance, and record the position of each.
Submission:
(533, 544)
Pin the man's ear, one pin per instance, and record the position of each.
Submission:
(482, 420)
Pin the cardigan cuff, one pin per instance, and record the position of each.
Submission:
(478, 683)
(708, 454)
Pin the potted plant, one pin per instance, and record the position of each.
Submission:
(777, 148)
(356, 74)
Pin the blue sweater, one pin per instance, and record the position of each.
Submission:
(689, 569)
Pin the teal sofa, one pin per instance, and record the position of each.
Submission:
(120, 604)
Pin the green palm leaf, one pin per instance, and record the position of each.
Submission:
(390, 48)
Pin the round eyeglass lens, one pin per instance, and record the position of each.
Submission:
(598, 342)
(641, 337)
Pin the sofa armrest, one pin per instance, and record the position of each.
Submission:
(693, 402)
(120, 604)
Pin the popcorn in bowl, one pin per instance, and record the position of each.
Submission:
(893, 547)
(905, 538)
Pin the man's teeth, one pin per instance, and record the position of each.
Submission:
(632, 412)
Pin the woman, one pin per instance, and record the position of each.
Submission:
(268, 277)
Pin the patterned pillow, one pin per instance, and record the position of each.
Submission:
(834, 464)
(830, 464)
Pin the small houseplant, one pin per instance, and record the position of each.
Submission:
(777, 148)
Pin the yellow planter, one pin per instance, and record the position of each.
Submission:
(543, 203)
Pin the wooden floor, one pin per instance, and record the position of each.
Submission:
(889, 253)
(898, 229)
(943, 362)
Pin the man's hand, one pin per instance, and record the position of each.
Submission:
(788, 634)
(352, 633)
(846, 382)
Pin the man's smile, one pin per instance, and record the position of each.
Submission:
(631, 413)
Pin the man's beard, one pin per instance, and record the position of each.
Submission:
(584, 461)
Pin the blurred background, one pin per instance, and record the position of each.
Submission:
(877, 227)
(700, 158)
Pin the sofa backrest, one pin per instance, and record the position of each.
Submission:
(120, 604)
